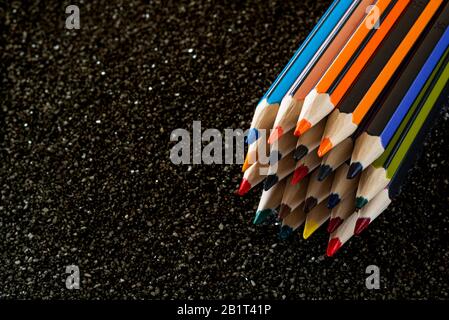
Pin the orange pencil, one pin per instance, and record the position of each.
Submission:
(349, 63)
(291, 103)
(344, 121)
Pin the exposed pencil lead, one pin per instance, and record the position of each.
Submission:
(360, 202)
(309, 204)
(299, 174)
(334, 223)
(275, 135)
(270, 181)
(333, 246)
(261, 216)
(246, 164)
(361, 224)
(354, 169)
(300, 152)
(302, 127)
(333, 201)
(310, 227)
(323, 172)
(325, 147)
(245, 186)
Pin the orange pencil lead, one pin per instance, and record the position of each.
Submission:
(246, 164)
(275, 135)
(325, 147)
(302, 127)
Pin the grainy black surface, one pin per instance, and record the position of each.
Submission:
(86, 177)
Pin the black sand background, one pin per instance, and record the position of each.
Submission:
(86, 179)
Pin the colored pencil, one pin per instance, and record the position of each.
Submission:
(378, 175)
(344, 121)
(291, 104)
(252, 177)
(342, 234)
(342, 211)
(372, 143)
(315, 219)
(383, 199)
(305, 166)
(335, 158)
(269, 201)
(294, 195)
(279, 171)
(341, 186)
(282, 147)
(317, 191)
(267, 108)
(309, 141)
(367, 214)
(292, 222)
(349, 64)
(256, 151)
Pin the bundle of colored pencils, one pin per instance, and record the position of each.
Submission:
(336, 133)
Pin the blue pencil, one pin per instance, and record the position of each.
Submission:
(396, 105)
(267, 108)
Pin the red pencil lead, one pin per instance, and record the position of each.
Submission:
(245, 186)
(334, 223)
(333, 246)
(299, 174)
(361, 224)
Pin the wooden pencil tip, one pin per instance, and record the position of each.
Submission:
(246, 164)
(361, 224)
(302, 127)
(275, 135)
(333, 246)
(245, 186)
(325, 147)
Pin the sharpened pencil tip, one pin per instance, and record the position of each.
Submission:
(300, 152)
(360, 202)
(354, 169)
(323, 172)
(270, 181)
(253, 135)
(246, 164)
(299, 174)
(333, 201)
(275, 135)
(309, 228)
(285, 232)
(261, 216)
(309, 204)
(361, 224)
(334, 223)
(245, 186)
(325, 147)
(302, 127)
(333, 246)
(284, 211)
